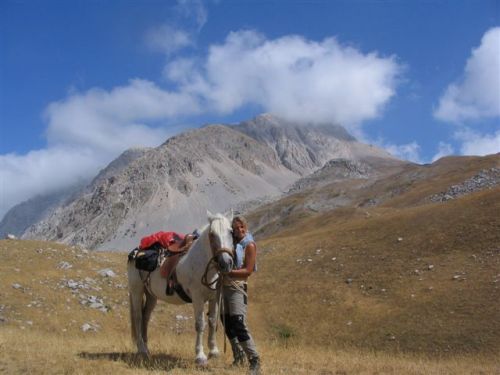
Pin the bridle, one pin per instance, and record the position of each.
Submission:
(216, 251)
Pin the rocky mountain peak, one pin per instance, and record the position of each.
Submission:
(121, 162)
(303, 147)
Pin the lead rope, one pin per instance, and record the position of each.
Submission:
(204, 277)
(222, 308)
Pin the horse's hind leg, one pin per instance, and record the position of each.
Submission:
(146, 314)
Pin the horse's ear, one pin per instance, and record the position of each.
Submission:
(231, 215)
(228, 214)
(210, 215)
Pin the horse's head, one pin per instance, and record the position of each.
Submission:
(221, 241)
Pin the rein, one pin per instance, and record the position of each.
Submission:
(204, 278)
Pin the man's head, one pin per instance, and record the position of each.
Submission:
(240, 227)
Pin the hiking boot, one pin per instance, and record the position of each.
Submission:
(252, 355)
(238, 353)
(254, 366)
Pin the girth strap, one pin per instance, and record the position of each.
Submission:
(181, 293)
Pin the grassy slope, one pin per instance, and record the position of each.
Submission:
(368, 311)
(394, 300)
(40, 329)
(435, 291)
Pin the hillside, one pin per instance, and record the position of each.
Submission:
(405, 273)
(65, 310)
(405, 279)
(341, 183)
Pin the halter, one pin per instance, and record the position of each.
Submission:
(216, 252)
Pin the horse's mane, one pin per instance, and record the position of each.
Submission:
(204, 228)
(218, 216)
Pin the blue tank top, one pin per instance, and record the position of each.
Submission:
(240, 251)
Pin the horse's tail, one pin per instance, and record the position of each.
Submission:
(132, 320)
(136, 301)
(131, 289)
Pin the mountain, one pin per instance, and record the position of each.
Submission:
(25, 214)
(216, 167)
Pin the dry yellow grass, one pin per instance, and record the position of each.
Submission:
(350, 291)
(409, 276)
(41, 352)
(352, 283)
(41, 332)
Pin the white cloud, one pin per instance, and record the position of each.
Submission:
(193, 9)
(477, 94)
(444, 149)
(43, 171)
(167, 39)
(474, 143)
(291, 77)
(408, 151)
(113, 120)
(180, 32)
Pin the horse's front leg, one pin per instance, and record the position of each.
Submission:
(212, 328)
(198, 304)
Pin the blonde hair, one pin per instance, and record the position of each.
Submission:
(240, 219)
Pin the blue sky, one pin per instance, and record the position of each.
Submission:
(81, 81)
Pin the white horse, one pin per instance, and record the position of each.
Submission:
(215, 246)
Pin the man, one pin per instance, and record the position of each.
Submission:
(235, 296)
(176, 244)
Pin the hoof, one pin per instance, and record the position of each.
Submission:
(201, 362)
(144, 354)
(214, 354)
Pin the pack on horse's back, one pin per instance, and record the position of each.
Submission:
(145, 260)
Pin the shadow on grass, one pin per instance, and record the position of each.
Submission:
(162, 362)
